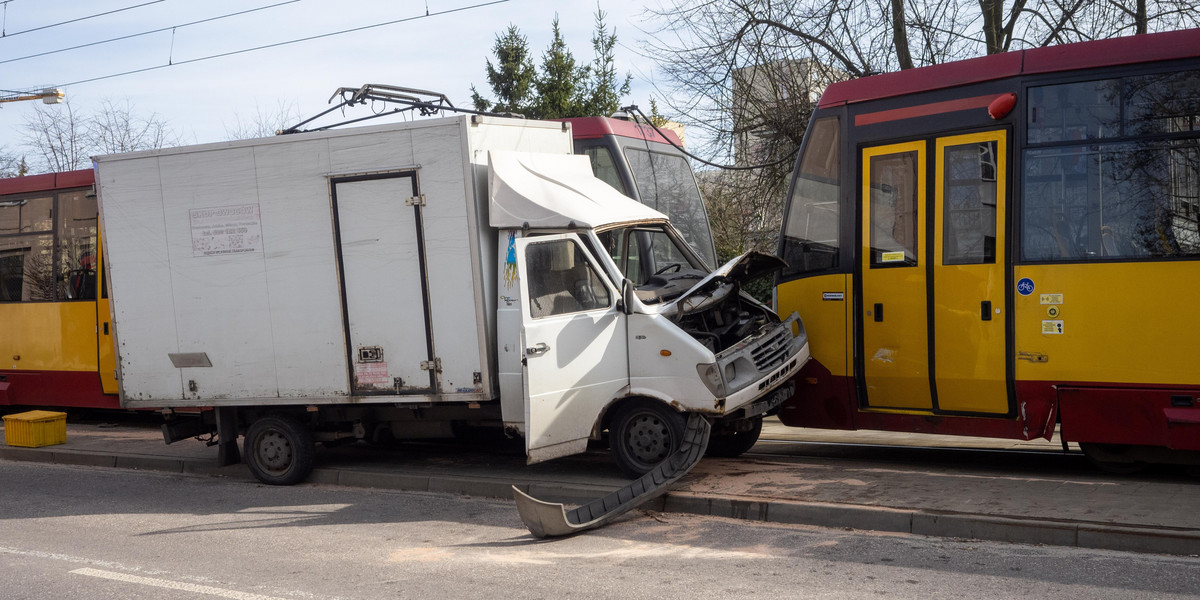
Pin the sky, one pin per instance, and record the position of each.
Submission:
(441, 45)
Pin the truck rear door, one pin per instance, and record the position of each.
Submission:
(385, 303)
(575, 353)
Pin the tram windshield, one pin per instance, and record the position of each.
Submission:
(810, 234)
(666, 184)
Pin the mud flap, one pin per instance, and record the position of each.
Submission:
(550, 519)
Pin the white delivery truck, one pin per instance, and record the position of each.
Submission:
(398, 281)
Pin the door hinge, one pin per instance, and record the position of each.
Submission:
(434, 365)
(415, 201)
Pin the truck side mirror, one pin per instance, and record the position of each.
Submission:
(626, 303)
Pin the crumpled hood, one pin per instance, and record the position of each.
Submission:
(740, 269)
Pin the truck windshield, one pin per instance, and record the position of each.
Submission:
(666, 184)
(645, 254)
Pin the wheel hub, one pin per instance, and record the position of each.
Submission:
(649, 439)
(274, 451)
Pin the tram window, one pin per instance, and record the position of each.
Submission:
(604, 167)
(1075, 111)
(1115, 201)
(77, 246)
(894, 209)
(969, 218)
(810, 235)
(1162, 103)
(666, 184)
(26, 215)
(27, 268)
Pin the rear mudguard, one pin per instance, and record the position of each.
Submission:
(550, 519)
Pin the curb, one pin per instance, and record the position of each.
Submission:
(1079, 534)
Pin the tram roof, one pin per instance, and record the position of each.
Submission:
(594, 127)
(1050, 59)
(46, 182)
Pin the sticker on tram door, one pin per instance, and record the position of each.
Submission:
(1052, 327)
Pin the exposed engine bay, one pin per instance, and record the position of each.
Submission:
(717, 314)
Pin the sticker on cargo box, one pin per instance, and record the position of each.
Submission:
(225, 230)
(1052, 326)
(1051, 298)
(372, 373)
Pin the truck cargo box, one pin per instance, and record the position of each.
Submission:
(326, 267)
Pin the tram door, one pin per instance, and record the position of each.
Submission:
(969, 249)
(932, 334)
(894, 351)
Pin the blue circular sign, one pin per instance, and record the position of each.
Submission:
(1025, 286)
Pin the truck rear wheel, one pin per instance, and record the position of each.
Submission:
(643, 434)
(735, 441)
(279, 450)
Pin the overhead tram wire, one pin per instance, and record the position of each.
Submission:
(285, 43)
(160, 30)
(82, 18)
(787, 157)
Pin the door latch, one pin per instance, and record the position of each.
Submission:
(537, 350)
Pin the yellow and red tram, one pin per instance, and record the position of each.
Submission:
(1002, 245)
(56, 344)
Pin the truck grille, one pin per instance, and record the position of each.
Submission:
(773, 349)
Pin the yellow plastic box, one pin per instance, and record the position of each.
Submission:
(35, 429)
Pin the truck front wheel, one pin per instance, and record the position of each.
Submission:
(735, 439)
(643, 434)
(279, 450)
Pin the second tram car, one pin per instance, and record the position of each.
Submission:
(997, 246)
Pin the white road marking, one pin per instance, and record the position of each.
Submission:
(172, 585)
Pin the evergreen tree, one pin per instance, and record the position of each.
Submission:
(561, 88)
(511, 81)
(559, 82)
(603, 92)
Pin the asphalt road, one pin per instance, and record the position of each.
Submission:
(74, 532)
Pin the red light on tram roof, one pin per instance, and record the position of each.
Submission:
(1001, 106)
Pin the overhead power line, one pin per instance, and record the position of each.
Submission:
(284, 43)
(133, 35)
(83, 18)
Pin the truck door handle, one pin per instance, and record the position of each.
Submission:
(537, 350)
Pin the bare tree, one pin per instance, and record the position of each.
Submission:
(56, 135)
(117, 127)
(745, 74)
(61, 138)
(11, 165)
(264, 123)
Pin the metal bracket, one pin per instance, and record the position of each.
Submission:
(415, 201)
(432, 365)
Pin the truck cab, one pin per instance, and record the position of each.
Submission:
(621, 325)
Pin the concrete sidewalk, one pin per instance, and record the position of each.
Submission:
(947, 498)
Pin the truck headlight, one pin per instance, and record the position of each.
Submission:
(710, 374)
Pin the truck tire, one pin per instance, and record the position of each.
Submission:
(642, 434)
(279, 450)
(731, 444)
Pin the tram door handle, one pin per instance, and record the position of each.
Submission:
(985, 310)
(878, 312)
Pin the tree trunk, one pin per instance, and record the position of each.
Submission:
(993, 24)
(900, 35)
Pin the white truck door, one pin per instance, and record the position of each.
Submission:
(382, 261)
(575, 353)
